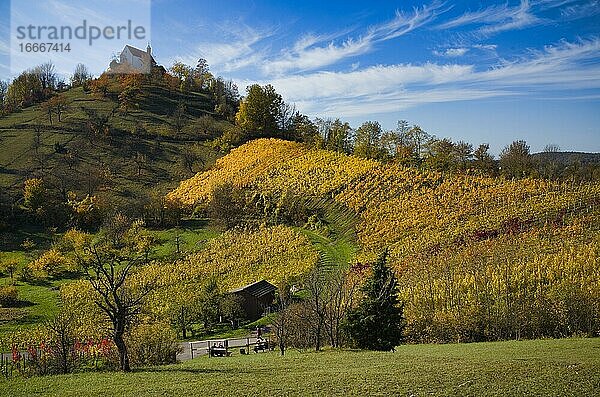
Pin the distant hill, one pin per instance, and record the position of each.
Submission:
(566, 158)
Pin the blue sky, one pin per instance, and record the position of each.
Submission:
(477, 71)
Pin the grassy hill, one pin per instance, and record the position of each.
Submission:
(138, 156)
(145, 130)
(568, 367)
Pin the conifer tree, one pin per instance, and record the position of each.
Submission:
(377, 323)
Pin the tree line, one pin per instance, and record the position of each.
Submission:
(264, 113)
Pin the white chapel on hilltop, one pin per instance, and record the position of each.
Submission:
(133, 60)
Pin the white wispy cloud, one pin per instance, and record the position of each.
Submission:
(482, 51)
(312, 52)
(487, 47)
(309, 58)
(496, 18)
(584, 10)
(563, 67)
(237, 51)
(451, 52)
(566, 65)
(372, 80)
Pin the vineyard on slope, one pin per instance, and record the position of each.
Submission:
(240, 168)
(238, 257)
(477, 257)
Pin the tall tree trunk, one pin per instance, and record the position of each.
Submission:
(121, 347)
(183, 323)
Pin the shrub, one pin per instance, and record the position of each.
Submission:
(50, 263)
(8, 295)
(26, 274)
(152, 344)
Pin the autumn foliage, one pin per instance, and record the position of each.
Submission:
(477, 258)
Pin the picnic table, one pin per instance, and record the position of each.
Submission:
(218, 351)
(261, 345)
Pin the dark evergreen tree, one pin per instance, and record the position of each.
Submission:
(377, 323)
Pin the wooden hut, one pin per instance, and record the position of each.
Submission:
(256, 298)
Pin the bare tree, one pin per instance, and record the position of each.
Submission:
(62, 333)
(551, 148)
(317, 302)
(47, 75)
(178, 117)
(140, 160)
(70, 159)
(189, 158)
(281, 321)
(81, 75)
(36, 146)
(342, 292)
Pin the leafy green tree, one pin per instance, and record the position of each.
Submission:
(225, 96)
(260, 112)
(183, 306)
(367, 143)
(210, 302)
(463, 154)
(515, 160)
(334, 135)
(231, 308)
(378, 323)
(25, 90)
(303, 129)
(418, 140)
(441, 155)
(483, 160)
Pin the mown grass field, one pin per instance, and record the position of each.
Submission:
(567, 367)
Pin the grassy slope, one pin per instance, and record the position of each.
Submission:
(37, 302)
(338, 245)
(155, 106)
(164, 170)
(543, 367)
